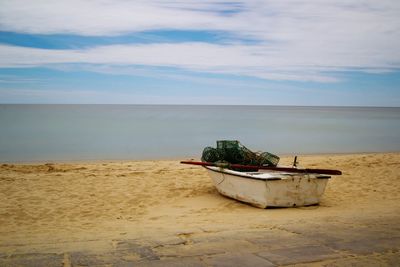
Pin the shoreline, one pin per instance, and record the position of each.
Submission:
(178, 158)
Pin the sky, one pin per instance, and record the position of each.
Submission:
(298, 52)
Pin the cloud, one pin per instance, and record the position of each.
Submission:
(296, 40)
(104, 17)
(266, 20)
(253, 61)
(10, 79)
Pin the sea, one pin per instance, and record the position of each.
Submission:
(34, 133)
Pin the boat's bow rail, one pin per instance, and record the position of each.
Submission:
(266, 175)
(227, 165)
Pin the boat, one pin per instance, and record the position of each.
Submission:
(269, 188)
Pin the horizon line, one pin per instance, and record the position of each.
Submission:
(161, 104)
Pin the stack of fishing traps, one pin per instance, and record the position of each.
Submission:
(232, 151)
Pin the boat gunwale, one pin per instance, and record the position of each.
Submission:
(248, 176)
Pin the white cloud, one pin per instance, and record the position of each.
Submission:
(102, 17)
(18, 79)
(234, 59)
(297, 40)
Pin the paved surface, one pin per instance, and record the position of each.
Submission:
(372, 243)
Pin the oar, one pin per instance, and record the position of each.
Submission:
(250, 167)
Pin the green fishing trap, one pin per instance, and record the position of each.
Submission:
(232, 151)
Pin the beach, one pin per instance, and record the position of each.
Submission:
(160, 212)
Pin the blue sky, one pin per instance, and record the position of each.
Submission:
(296, 52)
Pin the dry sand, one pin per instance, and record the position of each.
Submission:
(62, 207)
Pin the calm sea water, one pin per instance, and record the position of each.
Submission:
(112, 132)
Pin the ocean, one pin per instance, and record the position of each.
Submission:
(30, 133)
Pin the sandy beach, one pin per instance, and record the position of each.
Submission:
(164, 212)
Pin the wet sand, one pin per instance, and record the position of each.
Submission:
(165, 213)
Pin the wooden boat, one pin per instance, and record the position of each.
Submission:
(269, 188)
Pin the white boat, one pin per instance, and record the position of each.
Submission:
(269, 188)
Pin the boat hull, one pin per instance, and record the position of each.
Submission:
(271, 189)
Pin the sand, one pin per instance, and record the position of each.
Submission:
(64, 207)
